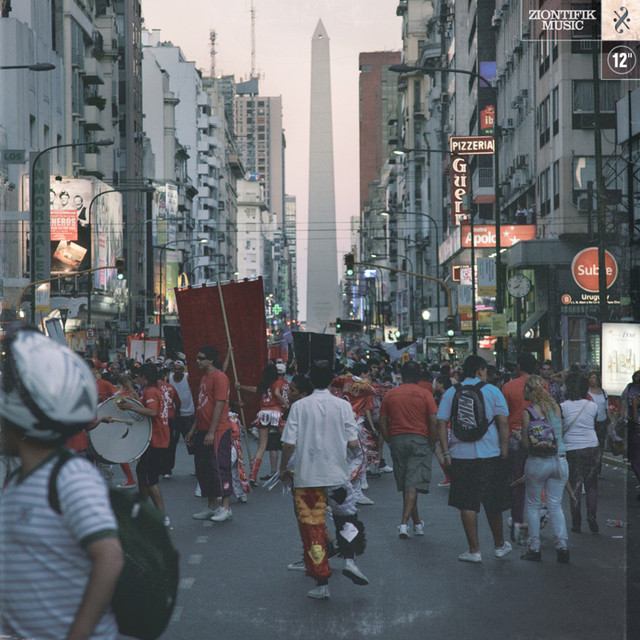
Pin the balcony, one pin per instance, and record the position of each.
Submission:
(91, 165)
(204, 192)
(203, 123)
(203, 145)
(203, 169)
(93, 73)
(93, 118)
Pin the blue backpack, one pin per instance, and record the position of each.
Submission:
(542, 437)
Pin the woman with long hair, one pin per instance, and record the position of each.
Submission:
(583, 451)
(546, 471)
(272, 406)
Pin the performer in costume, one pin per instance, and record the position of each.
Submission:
(359, 393)
(272, 406)
(319, 429)
(241, 486)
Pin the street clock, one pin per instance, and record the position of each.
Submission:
(518, 285)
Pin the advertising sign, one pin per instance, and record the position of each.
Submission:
(459, 190)
(620, 355)
(472, 145)
(464, 299)
(585, 269)
(486, 277)
(485, 236)
(41, 218)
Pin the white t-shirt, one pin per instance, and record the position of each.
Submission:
(187, 407)
(582, 433)
(320, 426)
(44, 567)
(601, 402)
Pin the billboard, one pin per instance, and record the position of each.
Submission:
(620, 355)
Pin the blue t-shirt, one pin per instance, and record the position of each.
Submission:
(494, 404)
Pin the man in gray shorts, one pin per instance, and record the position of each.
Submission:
(408, 424)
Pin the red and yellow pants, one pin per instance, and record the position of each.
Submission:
(310, 504)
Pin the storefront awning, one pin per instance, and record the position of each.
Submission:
(484, 199)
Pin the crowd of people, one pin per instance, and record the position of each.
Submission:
(513, 442)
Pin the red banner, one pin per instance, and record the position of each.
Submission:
(202, 322)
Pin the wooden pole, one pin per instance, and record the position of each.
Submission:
(235, 371)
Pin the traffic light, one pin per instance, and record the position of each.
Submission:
(120, 268)
(338, 324)
(349, 263)
(450, 325)
(451, 347)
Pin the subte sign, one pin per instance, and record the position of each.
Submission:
(584, 269)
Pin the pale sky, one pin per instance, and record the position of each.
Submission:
(283, 60)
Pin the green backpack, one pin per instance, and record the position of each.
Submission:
(147, 588)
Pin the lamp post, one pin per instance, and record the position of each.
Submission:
(44, 223)
(438, 241)
(37, 66)
(404, 68)
(90, 248)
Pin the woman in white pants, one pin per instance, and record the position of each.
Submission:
(548, 472)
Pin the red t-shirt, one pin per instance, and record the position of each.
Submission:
(425, 384)
(357, 391)
(152, 399)
(408, 408)
(214, 387)
(513, 394)
(105, 389)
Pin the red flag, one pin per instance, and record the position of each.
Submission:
(202, 322)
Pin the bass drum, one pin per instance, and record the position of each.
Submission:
(125, 439)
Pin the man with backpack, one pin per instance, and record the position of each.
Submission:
(476, 456)
(58, 570)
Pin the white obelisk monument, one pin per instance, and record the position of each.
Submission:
(323, 291)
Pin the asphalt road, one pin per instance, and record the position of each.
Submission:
(235, 584)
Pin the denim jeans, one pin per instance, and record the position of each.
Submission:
(551, 474)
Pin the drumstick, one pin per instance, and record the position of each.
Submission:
(129, 422)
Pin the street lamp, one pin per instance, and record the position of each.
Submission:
(90, 248)
(405, 68)
(43, 224)
(37, 66)
(438, 238)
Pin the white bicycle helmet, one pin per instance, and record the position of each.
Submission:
(48, 393)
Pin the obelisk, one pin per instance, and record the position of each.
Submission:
(323, 292)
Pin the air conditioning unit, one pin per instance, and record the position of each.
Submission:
(508, 123)
(521, 161)
(517, 180)
(496, 19)
(583, 204)
(445, 98)
(517, 44)
(524, 93)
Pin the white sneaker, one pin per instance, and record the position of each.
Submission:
(362, 499)
(418, 529)
(198, 492)
(501, 552)
(386, 469)
(167, 522)
(319, 593)
(354, 574)
(242, 499)
(222, 515)
(297, 566)
(403, 531)
(467, 556)
(206, 513)
(364, 484)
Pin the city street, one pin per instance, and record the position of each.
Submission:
(235, 584)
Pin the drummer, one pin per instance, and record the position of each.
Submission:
(155, 407)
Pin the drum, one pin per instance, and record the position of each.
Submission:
(125, 439)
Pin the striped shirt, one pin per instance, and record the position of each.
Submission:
(44, 565)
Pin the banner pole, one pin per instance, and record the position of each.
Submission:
(233, 367)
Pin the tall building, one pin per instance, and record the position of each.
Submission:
(291, 266)
(323, 293)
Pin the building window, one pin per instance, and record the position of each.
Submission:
(555, 110)
(543, 119)
(543, 192)
(556, 185)
(583, 108)
(543, 53)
